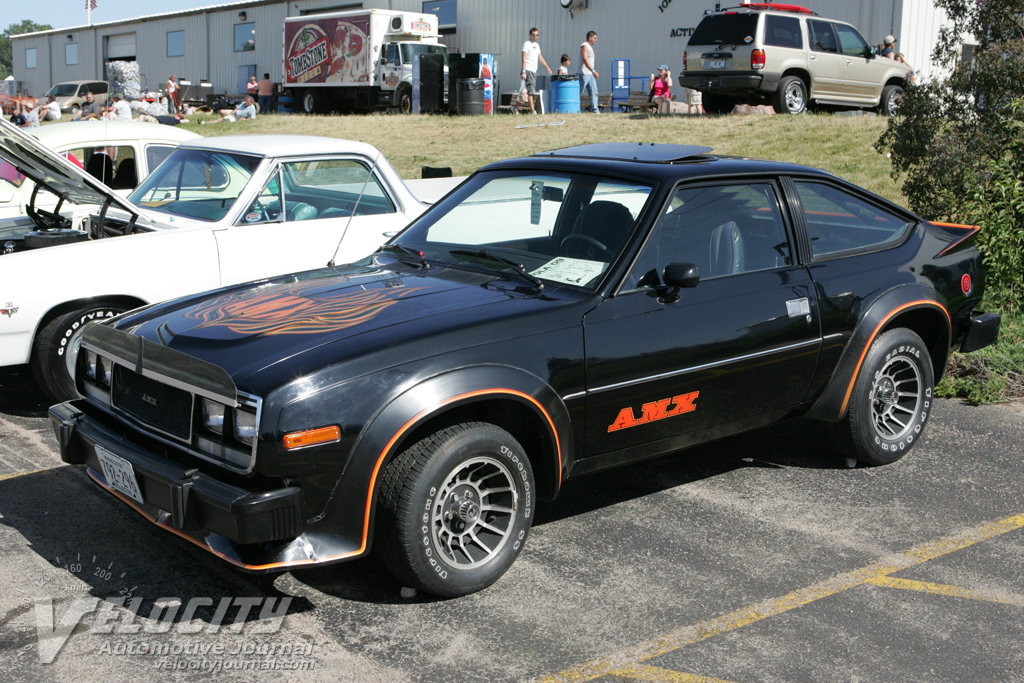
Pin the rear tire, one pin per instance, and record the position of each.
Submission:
(791, 97)
(312, 102)
(55, 350)
(455, 509)
(890, 402)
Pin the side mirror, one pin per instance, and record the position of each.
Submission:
(679, 276)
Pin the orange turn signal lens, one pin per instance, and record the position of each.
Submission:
(312, 437)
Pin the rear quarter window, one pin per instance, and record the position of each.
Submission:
(839, 222)
(782, 31)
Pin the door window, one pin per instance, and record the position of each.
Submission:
(722, 229)
(782, 31)
(823, 38)
(851, 41)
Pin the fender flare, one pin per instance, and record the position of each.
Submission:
(352, 508)
(831, 406)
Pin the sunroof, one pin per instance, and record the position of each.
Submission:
(630, 151)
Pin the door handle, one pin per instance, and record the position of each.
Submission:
(798, 307)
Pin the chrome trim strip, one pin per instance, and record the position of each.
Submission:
(695, 368)
(578, 394)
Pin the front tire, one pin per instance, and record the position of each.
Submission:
(456, 509)
(55, 350)
(791, 97)
(890, 102)
(891, 400)
(403, 99)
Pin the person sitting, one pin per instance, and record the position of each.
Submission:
(661, 89)
(52, 110)
(889, 47)
(242, 112)
(118, 109)
(90, 109)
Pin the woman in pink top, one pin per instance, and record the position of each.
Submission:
(661, 86)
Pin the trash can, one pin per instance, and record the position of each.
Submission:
(565, 94)
(471, 96)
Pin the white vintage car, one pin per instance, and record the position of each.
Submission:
(217, 211)
(120, 153)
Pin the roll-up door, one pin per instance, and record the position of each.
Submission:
(121, 46)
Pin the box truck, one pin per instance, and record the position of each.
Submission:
(356, 61)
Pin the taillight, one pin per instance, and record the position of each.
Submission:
(757, 59)
(684, 61)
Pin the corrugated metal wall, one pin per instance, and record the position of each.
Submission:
(647, 32)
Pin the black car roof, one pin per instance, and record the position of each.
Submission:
(657, 162)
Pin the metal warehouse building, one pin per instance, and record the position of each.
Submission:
(225, 44)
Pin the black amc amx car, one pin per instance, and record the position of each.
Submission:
(554, 315)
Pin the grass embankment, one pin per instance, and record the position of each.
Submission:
(839, 144)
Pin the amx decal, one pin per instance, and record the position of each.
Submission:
(655, 410)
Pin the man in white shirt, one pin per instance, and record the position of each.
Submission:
(52, 110)
(588, 71)
(118, 110)
(531, 56)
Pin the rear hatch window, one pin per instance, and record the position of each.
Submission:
(726, 29)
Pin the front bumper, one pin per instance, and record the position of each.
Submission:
(183, 499)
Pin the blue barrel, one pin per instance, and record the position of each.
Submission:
(283, 109)
(565, 95)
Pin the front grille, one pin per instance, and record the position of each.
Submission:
(158, 405)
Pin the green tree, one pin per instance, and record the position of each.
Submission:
(951, 130)
(6, 56)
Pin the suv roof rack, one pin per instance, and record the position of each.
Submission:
(630, 151)
(771, 5)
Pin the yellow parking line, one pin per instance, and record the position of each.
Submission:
(943, 589)
(15, 475)
(775, 606)
(653, 674)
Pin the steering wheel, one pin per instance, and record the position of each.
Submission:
(588, 240)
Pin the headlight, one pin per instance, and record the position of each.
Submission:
(213, 415)
(245, 427)
(90, 364)
(104, 371)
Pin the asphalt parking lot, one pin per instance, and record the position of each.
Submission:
(757, 558)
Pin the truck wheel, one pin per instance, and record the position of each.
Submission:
(891, 400)
(311, 102)
(890, 102)
(455, 509)
(791, 97)
(403, 99)
(55, 350)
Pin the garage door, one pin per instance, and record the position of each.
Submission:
(121, 46)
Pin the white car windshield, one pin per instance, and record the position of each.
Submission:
(198, 184)
(560, 227)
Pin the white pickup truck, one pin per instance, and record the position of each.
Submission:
(217, 211)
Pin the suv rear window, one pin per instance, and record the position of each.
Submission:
(782, 31)
(725, 29)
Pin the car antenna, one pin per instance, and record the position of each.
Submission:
(369, 172)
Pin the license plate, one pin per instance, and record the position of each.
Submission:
(119, 474)
(716, 64)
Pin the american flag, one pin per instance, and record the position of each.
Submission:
(90, 4)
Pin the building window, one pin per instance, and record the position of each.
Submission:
(30, 58)
(245, 37)
(445, 11)
(175, 43)
(71, 54)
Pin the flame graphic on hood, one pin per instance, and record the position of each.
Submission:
(288, 309)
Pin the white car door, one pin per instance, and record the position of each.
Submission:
(308, 210)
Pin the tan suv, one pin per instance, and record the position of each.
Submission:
(788, 56)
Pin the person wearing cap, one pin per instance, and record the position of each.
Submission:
(118, 109)
(889, 47)
(661, 87)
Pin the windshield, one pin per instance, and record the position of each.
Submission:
(196, 183)
(63, 90)
(410, 49)
(560, 227)
(725, 29)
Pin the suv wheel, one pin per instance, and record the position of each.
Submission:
(791, 97)
(890, 103)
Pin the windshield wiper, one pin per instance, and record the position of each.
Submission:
(399, 250)
(489, 256)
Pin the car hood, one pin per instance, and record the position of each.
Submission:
(357, 310)
(39, 163)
